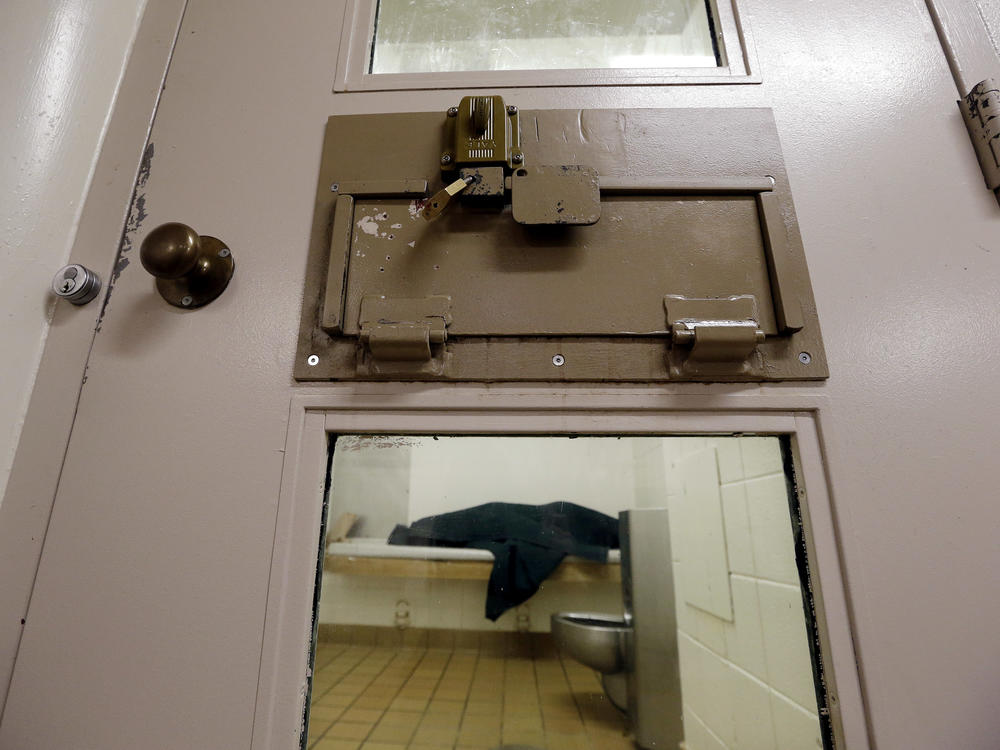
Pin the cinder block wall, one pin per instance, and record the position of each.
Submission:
(747, 677)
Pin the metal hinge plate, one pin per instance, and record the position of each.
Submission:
(981, 112)
(708, 334)
(403, 335)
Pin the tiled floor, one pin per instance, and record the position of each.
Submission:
(385, 698)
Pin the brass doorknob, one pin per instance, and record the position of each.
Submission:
(190, 270)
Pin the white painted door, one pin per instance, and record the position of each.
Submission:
(146, 618)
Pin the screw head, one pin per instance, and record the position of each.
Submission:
(446, 158)
(224, 252)
(558, 360)
(312, 360)
(335, 187)
(186, 300)
(517, 158)
(511, 109)
(805, 358)
(452, 111)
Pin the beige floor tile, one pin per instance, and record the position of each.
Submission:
(447, 708)
(335, 699)
(483, 708)
(435, 736)
(398, 733)
(409, 704)
(344, 730)
(316, 732)
(372, 702)
(564, 726)
(482, 721)
(361, 715)
(520, 737)
(451, 695)
(438, 699)
(441, 721)
(402, 718)
(326, 744)
(578, 741)
(320, 713)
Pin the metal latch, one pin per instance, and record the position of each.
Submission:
(482, 149)
(404, 330)
(981, 112)
(482, 131)
(715, 330)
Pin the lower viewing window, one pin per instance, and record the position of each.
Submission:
(584, 593)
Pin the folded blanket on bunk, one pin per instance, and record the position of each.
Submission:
(527, 541)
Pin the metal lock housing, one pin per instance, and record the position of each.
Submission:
(77, 284)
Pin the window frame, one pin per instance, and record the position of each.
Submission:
(732, 36)
(407, 409)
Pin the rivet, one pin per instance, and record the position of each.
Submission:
(558, 360)
(313, 360)
(186, 301)
(805, 358)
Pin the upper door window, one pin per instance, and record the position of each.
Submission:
(399, 44)
(544, 35)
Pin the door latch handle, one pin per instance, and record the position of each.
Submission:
(191, 270)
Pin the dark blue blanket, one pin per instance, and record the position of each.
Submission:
(527, 541)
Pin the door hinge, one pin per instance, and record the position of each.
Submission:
(711, 333)
(981, 112)
(403, 335)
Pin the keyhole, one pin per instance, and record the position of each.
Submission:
(67, 285)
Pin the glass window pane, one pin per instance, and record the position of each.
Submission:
(436, 36)
(662, 561)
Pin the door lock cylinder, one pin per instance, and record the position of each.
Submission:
(77, 284)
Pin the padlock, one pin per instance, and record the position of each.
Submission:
(76, 283)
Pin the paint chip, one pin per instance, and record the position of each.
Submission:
(368, 225)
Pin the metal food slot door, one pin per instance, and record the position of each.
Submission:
(491, 244)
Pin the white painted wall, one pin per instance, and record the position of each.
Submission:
(62, 61)
(452, 473)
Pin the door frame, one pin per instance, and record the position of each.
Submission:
(406, 409)
(107, 225)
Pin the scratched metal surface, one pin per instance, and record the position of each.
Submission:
(553, 286)
(610, 278)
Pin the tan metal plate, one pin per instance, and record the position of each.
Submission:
(563, 194)
(594, 294)
(506, 279)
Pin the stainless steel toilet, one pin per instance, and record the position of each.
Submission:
(598, 641)
(636, 652)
